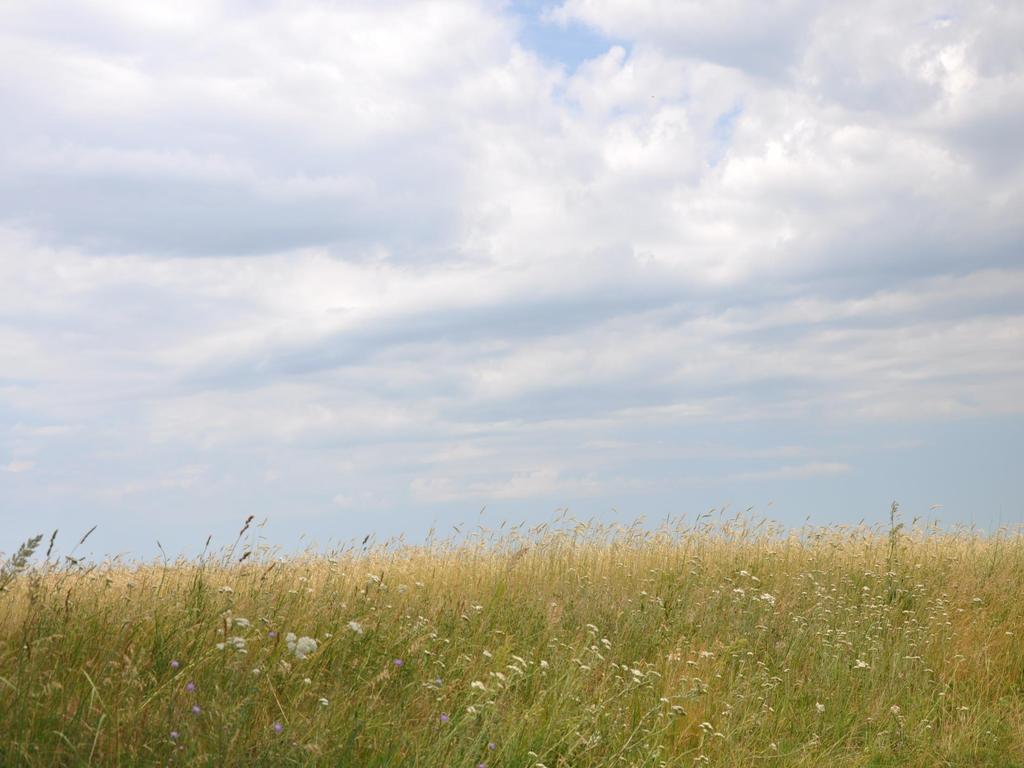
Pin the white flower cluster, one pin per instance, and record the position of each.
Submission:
(301, 647)
(237, 643)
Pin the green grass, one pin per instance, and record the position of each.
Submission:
(724, 645)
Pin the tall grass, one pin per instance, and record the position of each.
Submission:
(727, 643)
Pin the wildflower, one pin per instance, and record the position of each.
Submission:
(195, 709)
(492, 746)
(399, 663)
(895, 709)
(444, 718)
(543, 664)
(190, 687)
(271, 634)
(820, 707)
(237, 643)
(307, 681)
(278, 727)
(356, 627)
(301, 647)
(175, 663)
(256, 670)
(174, 735)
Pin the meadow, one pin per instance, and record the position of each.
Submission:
(715, 642)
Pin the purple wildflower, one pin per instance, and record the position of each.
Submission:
(271, 634)
(175, 663)
(195, 709)
(174, 735)
(492, 746)
(481, 765)
(399, 662)
(278, 727)
(444, 717)
(190, 687)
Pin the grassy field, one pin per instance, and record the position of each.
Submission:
(722, 643)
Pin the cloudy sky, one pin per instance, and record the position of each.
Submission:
(371, 266)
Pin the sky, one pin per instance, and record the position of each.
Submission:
(379, 266)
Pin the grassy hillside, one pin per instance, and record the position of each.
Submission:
(722, 645)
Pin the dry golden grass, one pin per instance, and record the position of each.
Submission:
(722, 644)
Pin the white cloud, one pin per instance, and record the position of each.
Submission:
(389, 243)
(17, 466)
(531, 483)
(810, 469)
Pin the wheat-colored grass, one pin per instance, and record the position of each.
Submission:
(726, 644)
